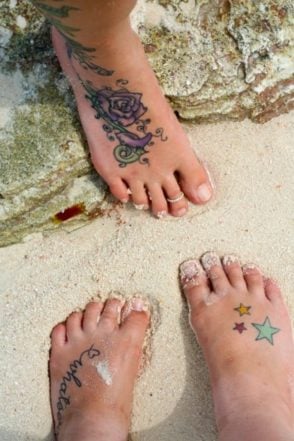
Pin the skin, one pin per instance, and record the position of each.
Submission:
(104, 49)
(251, 377)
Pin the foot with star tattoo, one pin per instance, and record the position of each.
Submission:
(243, 327)
(94, 362)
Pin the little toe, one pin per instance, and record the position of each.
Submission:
(119, 189)
(91, 316)
(139, 195)
(254, 279)
(195, 182)
(136, 318)
(194, 283)
(272, 291)
(232, 267)
(214, 269)
(178, 205)
(58, 336)
(74, 325)
(110, 317)
(158, 201)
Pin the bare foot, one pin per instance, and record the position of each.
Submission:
(244, 330)
(136, 143)
(94, 361)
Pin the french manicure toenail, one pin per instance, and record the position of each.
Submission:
(129, 191)
(204, 192)
(161, 214)
(209, 260)
(250, 267)
(138, 305)
(181, 212)
(140, 206)
(229, 259)
(189, 272)
(124, 201)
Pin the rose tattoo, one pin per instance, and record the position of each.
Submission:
(122, 113)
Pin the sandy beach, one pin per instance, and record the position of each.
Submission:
(44, 278)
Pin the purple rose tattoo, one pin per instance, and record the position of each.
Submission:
(120, 109)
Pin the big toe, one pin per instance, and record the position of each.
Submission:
(194, 284)
(195, 182)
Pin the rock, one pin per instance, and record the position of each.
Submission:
(214, 60)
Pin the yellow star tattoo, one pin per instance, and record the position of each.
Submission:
(243, 309)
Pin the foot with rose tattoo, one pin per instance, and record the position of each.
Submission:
(137, 144)
(94, 362)
(243, 327)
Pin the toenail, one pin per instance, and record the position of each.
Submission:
(204, 192)
(129, 191)
(181, 212)
(229, 259)
(209, 260)
(141, 206)
(161, 214)
(190, 272)
(248, 267)
(124, 201)
(138, 305)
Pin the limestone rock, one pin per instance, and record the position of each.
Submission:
(214, 59)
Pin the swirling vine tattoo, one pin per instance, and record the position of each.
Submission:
(81, 53)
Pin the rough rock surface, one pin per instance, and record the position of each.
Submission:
(214, 59)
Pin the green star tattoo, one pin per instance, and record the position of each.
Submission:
(265, 330)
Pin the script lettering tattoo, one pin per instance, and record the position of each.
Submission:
(70, 377)
(122, 111)
(82, 54)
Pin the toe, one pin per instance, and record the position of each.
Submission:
(195, 182)
(194, 283)
(74, 325)
(232, 267)
(173, 192)
(92, 316)
(158, 201)
(139, 195)
(110, 317)
(119, 189)
(272, 291)
(218, 278)
(254, 279)
(136, 320)
(58, 336)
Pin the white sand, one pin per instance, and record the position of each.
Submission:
(43, 280)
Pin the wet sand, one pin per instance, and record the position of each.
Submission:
(43, 279)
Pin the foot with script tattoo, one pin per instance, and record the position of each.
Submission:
(243, 327)
(94, 362)
(137, 144)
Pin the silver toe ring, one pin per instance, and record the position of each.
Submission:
(176, 199)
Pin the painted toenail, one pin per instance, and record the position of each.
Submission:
(204, 192)
(141, 206)
(181, 212)
(190, 272)
(229, 259)
(209, 260)
(249, 267)
(161, 214)
(138, 305)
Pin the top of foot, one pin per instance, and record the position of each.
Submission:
(94, 362)
(243, 327)
(137, 145)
